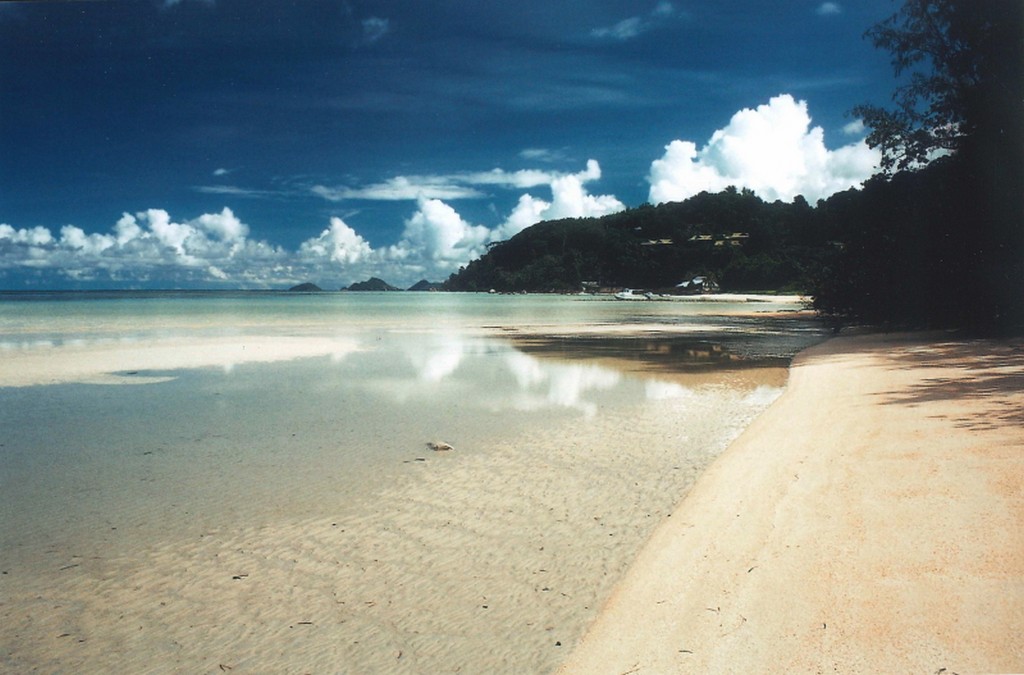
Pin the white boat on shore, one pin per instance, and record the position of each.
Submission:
(629, 294)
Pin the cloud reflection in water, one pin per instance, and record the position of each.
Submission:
(492, 375)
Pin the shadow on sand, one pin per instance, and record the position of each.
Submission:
(989, 370)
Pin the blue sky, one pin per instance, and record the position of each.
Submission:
(259, 143)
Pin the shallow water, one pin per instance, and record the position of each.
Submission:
(28, 318)
(208, 504)
(206, 447)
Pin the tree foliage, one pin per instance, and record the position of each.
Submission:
(961, 63)
(941, 245)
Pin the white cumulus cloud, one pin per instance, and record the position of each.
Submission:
(772, 150)
(569, 199)
(76, 238)
(170, 234)
(528, 211)
(147, 244)
(438, 233)
(338, 243)
(126, 229)
(35, 236)
(223, 225)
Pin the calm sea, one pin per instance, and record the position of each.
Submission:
(60, 316)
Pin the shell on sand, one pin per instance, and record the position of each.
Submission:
(439, 446)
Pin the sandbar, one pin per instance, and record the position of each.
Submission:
(871, 520)
(112, 361)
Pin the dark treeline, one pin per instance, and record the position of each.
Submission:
(924, 249)
(734, 237)
(936, 243)
(941, 246)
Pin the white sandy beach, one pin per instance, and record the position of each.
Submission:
(872, 520)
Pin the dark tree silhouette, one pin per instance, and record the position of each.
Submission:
(941, 245)
(962, 62)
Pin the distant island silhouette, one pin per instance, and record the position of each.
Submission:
(372, 284)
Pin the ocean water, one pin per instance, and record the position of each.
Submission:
(57, 316)
(294, 411)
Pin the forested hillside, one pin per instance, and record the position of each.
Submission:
(735, 237)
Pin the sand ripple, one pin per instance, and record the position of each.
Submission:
(491, 560)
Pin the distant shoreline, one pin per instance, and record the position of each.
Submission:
(731, 297)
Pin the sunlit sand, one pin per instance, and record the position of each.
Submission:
(869, 521)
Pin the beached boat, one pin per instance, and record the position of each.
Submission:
(629, 294)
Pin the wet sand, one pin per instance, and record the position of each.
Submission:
(490, 558)
(112, 361)
(872, 520)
